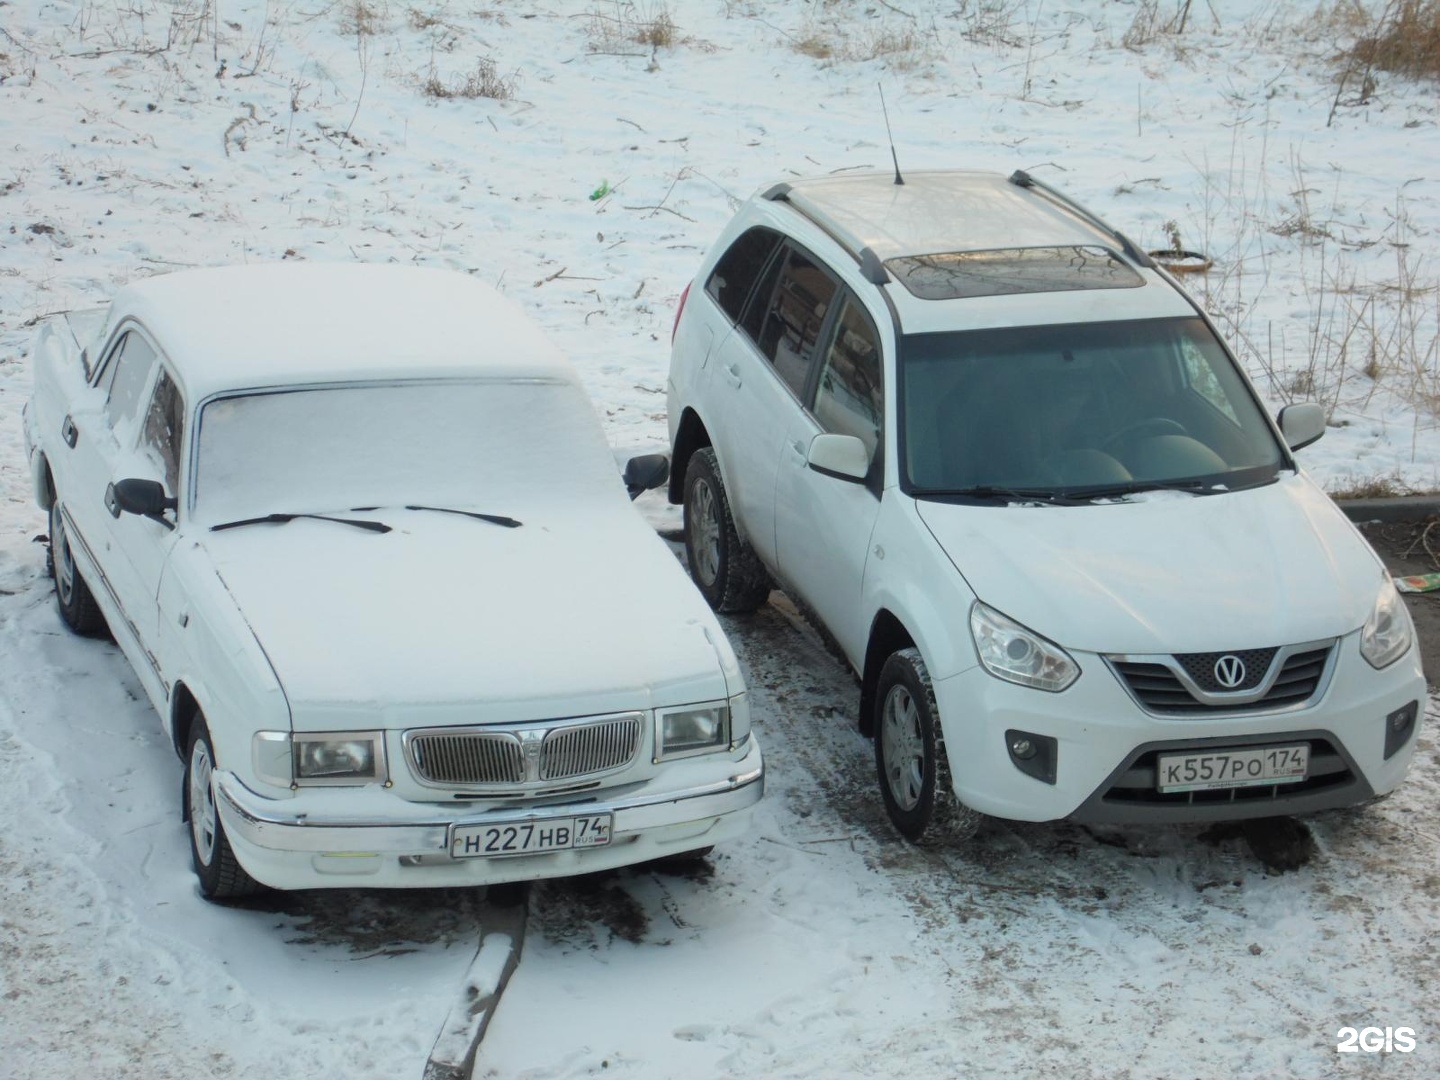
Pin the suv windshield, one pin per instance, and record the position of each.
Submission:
(1104, 408)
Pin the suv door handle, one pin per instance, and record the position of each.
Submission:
(800, 449)
(732, 375)
(69, 432)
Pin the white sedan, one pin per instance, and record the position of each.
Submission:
(360, 535)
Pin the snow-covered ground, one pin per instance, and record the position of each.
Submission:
(141, 137)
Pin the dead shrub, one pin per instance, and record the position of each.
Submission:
(1405, 41)
(484, 82)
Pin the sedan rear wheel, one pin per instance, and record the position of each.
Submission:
(77, 604)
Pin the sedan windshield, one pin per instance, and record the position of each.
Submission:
(485, 446)
(1090, 409)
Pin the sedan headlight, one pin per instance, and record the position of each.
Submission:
(1017, 655)
(333, 758)
(692, 729)
(1385, 637)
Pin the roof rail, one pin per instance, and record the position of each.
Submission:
(870, 265)
(1021, 178)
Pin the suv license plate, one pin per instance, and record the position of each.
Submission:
(529, 837)
(1252, 767)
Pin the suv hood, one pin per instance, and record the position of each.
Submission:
(449, 620)
(1167, 572)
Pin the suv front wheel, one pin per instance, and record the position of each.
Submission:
(910, 756)
(725, 567)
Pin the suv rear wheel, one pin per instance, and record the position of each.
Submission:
(910, 756)
(724, 566)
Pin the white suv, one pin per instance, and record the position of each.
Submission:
(1008, 465)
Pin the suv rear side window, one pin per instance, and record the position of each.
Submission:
(735, 274)
(794, 318)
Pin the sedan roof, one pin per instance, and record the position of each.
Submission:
(247, 327)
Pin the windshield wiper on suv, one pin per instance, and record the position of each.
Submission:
(1137, 487)
(281, 519)
(989, 491)
(493, 519)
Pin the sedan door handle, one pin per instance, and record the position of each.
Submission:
(732, 375)
(801, 451)
(69, 432)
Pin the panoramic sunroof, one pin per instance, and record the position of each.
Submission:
(957, 274)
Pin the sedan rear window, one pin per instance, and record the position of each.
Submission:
(958, 274)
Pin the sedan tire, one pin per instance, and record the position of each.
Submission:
(220, 873)
(910, 758)
(74, 598)
(725, 567)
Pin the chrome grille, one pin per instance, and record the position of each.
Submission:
(469, 757)
(527, 755)
(575, 751)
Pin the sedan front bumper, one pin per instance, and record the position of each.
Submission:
(288, 850)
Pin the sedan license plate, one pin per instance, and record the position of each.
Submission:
(529, 837)
(1252, 767)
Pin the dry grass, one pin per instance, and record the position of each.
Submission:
(898, 45)
(361, 18)
(622, 25)
(483, 82)
(1371, 487)
(1405, 40)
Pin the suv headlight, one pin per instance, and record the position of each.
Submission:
(317, 758)
(1017, 655)
(1385, 637)
(693, 729)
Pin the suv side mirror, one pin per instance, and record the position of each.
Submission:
(842, 456)
(1301, 424)
(646, 472)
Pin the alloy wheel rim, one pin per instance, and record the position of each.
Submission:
(705, 533)
(903, 747)
(202, 803)
(63, 561)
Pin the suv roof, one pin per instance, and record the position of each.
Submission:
(1031, 231)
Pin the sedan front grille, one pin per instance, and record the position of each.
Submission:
(528, 755)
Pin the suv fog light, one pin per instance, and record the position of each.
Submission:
(1034, 755)
(1399, 726)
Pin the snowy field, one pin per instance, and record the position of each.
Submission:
(140, 136)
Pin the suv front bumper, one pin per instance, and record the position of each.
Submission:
(288, 850)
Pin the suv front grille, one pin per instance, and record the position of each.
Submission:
(1186, 684)
(523, 755)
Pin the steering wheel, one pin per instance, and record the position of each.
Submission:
(1150, 427)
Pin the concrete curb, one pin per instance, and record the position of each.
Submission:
(501, 940)
(1401, 508)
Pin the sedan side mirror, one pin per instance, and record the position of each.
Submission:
(842, 456)
(144, 497)
(1301, 424)
(645, 473)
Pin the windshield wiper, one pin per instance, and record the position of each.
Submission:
(1137, 487)
(281, 519)
(989, 491)
(493, 519)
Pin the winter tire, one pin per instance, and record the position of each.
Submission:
(910, 758)
(74, 598)
(220, 873)
(724, 566)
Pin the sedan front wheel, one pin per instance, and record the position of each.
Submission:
(220, 873)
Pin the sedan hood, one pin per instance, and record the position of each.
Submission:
(1168, 572)
(450, 620)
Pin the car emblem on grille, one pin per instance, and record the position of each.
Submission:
(1230, 671)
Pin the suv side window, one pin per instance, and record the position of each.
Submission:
(125, 377)
(735, 274)
(164, 426)
(794, 318)
(849, 399)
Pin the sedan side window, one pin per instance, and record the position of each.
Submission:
(164, 426)
(126, 375)
(850, 397)
(795, 317)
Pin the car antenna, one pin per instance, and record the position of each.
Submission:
(898, 178)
